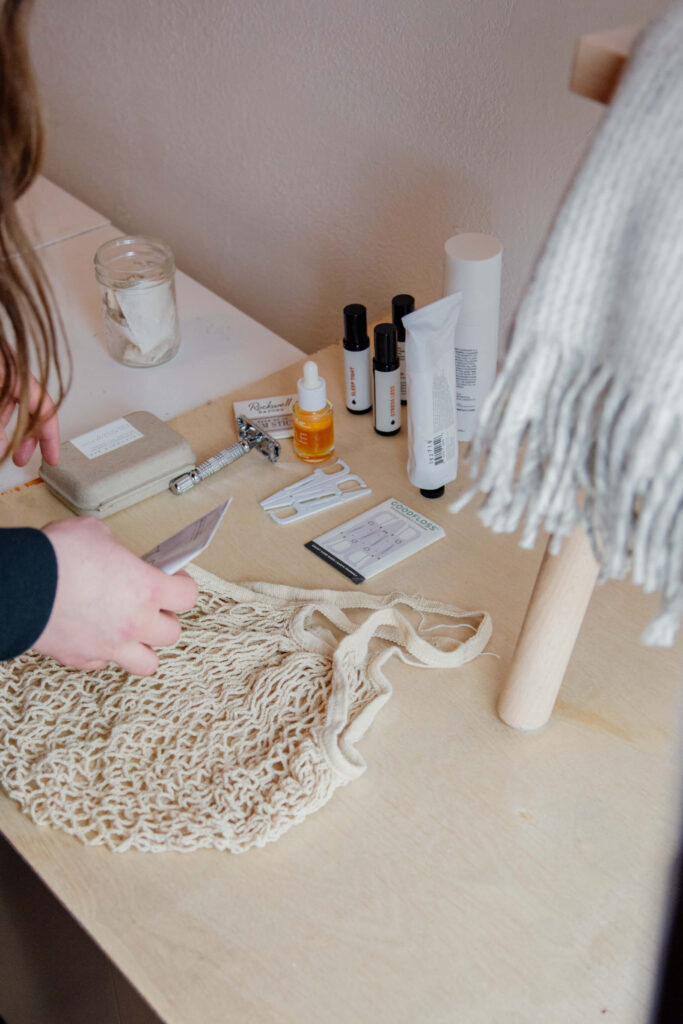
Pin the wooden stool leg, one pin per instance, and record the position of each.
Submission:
(558, 604)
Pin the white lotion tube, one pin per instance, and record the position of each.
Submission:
(432, 414)
(473, 267)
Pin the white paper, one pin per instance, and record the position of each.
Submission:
(149, 311)
(176, 551)
(106, 439)
(271, 415)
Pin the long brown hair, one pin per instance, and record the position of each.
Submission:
(28, 317)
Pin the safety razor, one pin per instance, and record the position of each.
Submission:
(251, 438)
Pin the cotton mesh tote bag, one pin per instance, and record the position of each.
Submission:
(249, 725)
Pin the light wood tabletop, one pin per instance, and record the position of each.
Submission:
(473, 873)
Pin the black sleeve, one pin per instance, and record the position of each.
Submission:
(669, 1000)
(28, 582)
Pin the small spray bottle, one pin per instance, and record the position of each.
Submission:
(387, 381)
(357, 359)
(312, 418)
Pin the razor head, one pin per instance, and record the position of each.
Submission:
(253, 437)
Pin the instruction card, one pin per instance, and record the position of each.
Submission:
(375, 540)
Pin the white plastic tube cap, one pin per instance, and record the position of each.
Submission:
(312, 389)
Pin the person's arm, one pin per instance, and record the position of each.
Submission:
(28, 565)
(71, 591)
(28, 583)
(109, 604)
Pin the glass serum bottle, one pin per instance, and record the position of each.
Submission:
(312, 418)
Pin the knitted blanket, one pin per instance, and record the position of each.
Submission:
(249, 725)
(585, 422)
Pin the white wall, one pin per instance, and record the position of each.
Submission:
(302, 154)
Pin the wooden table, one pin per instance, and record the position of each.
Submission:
(473, 874)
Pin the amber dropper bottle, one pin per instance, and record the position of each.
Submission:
(312, 418)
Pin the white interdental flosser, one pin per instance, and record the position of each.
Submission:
(316, 492)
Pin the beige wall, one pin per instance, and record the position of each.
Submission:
(302, 154)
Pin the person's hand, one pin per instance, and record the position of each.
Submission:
(109, 605)
(48, 435)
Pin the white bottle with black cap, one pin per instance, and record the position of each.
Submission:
(402, 305)
(357, 359)
(386, 375)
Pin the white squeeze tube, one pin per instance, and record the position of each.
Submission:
(473, 266)
(432, 414)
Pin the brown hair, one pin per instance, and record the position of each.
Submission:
(27, 314)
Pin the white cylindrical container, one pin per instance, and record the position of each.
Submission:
(473, 267)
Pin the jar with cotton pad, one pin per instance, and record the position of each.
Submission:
(137, 288)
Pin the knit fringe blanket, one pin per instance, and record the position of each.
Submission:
(585, 423)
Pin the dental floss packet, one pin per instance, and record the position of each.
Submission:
(176, 551)
(316, 492)
(272, 415)
(375, 540)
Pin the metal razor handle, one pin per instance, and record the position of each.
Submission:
(186, 481)
(250, 437)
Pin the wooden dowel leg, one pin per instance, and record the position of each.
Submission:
(558, 604)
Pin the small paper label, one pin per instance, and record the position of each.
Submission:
(272, 415)
(106, 439)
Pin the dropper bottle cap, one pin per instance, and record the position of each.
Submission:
(312, 389)
(356, 327)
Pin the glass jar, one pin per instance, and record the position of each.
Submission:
(137, 288)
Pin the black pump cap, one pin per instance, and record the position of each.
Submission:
(356, 327)
(437, 492)
(386, 350)
(401, 305)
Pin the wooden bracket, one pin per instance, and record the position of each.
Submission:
(599, 61)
